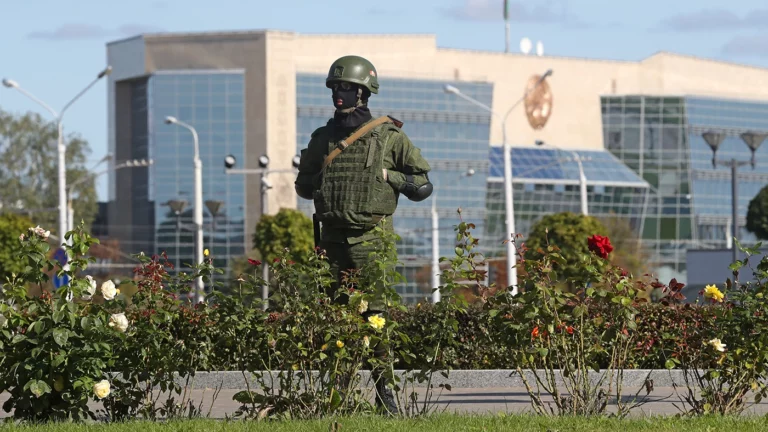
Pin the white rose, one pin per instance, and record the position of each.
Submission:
(91, 290)
(3, 321)
(21, 237)
(119, 321)
(108, 290)
(101, 389)
(40, 232)
(363, 306)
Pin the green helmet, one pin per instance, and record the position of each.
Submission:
(353, 69)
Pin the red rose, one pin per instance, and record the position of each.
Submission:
(569, 329)
(600, 246)
(254, 262)
(276, 260)
(535, 332)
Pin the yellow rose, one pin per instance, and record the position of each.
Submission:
(58, 384)
(363, 306)
(377, 322)
(712, 292)
(324, 347)
(339, 344)
(717, 345)
(295, 367)
(206, 252)
(101, 389)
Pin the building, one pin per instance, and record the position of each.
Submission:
(261, 93)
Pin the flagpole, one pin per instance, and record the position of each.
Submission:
(506, 26)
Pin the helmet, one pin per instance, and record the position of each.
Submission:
(353, 69)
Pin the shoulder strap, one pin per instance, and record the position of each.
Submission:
(343, 144)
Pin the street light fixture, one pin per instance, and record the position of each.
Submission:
(582, 178)
(229, 163)
(198, 210)
(61, 148)
(753, 140)
(508, 195)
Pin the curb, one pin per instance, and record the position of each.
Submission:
(495, 378)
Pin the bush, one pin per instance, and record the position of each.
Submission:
(59, 351)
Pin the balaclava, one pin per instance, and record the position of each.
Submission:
(351, 103)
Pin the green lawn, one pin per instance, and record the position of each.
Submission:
(442, 423)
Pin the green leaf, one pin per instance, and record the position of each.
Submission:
(493, 312)
(669, 364)
(60, 336)
(39, 388)
(335, 399)
(590, 292)
(18, 338)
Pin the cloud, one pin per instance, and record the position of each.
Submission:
(713, 19)
(747, 46)
(79, 31)
(493, 10)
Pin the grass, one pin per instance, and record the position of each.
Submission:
(441, 423)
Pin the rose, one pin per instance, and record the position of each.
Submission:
(91, 290)
(339, 344)
(40, 232)
(717, 345)
(366, 341)
(377, 322)
(119, 321)
(108, 290)
(254, 262)
(101, 389)
(363, 306)
(712, 292)
(600, 246)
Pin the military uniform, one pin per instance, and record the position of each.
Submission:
(354, 169)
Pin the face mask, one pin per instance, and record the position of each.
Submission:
(345, 96)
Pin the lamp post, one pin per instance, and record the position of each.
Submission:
(127, 164)
(436, 244)
(198, 211)
(582, 178)
(508, 195)
(61, 148)
(265, 185)
(753, 140)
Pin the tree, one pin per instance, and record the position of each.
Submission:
(569, 232)
(289, 229)
(757, 215)
(11, 227)
(29, 172)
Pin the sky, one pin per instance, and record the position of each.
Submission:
(54, 48)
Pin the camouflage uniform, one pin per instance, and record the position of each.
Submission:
(359, 188)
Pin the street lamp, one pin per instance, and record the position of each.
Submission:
(753, 140)
(436, 243)
(61, 148)
(198, 211)
(582, 177)
(229, 163)
(508, 196)
(127, 164)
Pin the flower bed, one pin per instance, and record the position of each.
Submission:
(58, 351)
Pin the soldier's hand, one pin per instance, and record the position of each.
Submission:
(384, 171)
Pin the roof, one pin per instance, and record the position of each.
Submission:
(546, 165)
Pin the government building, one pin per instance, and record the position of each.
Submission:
(636, 127)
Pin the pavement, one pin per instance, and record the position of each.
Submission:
(479, 396)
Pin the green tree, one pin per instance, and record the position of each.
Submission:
(29, 173)
(288, 229)
(757, 214)
(11, 227)
(569, 232)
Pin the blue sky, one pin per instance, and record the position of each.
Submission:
(54, 48)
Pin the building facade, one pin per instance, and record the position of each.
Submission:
(639, 121)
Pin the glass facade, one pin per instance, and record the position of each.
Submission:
(213, 103)
(660, 139)
(453, 136)
(546, 181)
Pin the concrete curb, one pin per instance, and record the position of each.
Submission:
(479, 379)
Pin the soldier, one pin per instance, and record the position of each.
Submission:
(355, 168)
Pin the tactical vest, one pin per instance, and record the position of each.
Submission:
(353, 192)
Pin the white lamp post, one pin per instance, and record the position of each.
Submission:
(582, 178)
(198, 211)
(508, 196)
(61, 148)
